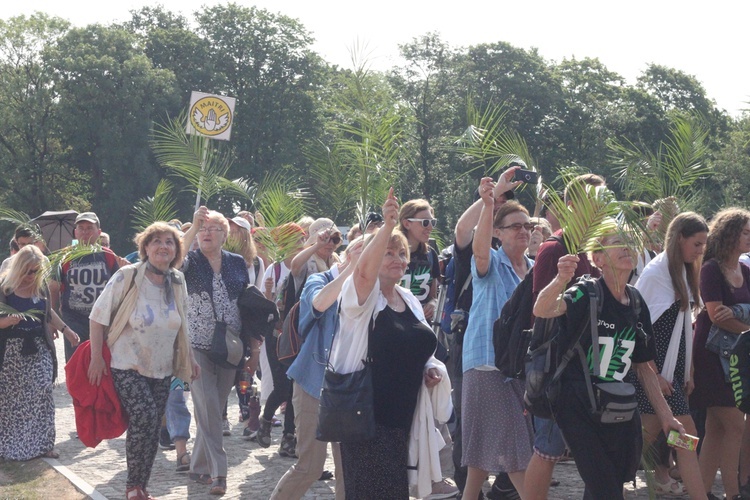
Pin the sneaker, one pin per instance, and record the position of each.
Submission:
(288, 447)
(165, 442)
(225, 429)
(264, 433)
(443, 489)
(251, 435)
(276, 422)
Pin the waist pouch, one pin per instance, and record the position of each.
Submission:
(615, 402)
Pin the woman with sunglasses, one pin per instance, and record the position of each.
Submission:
(416, 221)
(28, 364)
(497, 435)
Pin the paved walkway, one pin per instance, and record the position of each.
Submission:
(253, 471)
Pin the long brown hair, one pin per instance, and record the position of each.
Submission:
(408, 211)
(683, 226)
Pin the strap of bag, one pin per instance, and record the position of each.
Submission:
(333, 339)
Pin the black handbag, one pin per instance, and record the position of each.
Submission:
(226, 350)
(346, 413)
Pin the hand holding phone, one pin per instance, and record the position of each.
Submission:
(527, 176)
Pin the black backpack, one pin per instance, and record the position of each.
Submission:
(547, 359)
(512, 331)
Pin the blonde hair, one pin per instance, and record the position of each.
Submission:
(684, 226)
(246, 244)
(27, 258)
(143, 238)
(218, 217)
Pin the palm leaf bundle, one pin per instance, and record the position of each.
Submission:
(196, 159)
(160, 207)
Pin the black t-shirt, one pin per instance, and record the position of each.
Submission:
(399, 346)
(621, 343)
(422, 270)
(463, 257)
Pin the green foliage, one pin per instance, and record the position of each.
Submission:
(201, 162)
(673, 170)
(159, 207)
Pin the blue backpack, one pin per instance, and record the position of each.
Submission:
(449, 320)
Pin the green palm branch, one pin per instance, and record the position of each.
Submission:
(160, 207)
(18, 218)
(597, 214)
(489, 142)
(197, 159)
(65, 255)
(673, 170)
(29, 314)
(280, 202)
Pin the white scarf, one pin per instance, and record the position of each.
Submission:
(655, 285)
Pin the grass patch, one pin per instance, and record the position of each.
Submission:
(34, 480)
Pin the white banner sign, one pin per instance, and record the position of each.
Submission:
(210, 115)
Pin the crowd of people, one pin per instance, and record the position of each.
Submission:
(441, 407)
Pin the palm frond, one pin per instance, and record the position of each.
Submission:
(18, 218)
(597, 213)
(160, 207)
(489, 142)
(280, 202)
(196, 159)
(64, 255)
(29, 314)
(674, 170)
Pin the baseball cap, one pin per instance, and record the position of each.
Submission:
(244, 224)
(372, 218)
(88, 217)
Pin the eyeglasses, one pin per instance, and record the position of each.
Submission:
(32, 272)
(517, 226)
(335, 239)
(210, 230)
(425, 222)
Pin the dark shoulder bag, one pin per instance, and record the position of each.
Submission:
(346, 412)
(227, 350)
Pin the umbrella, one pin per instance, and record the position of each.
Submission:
(57, 228)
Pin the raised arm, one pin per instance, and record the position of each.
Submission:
(470, 218)
(299, 260)
(549, 303)
(199, 217)
(483, 237)
(368, 267)
(328, 295)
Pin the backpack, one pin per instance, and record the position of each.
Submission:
(512, 330)
(547, 359)
(453, 321)
(289, 340)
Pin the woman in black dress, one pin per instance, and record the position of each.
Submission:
(400, 344)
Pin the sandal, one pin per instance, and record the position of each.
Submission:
(134, 493)
(219, 486)
(200, 478)
(671, 488)
(183, 462)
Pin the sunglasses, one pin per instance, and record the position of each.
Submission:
(425, 222)
(335, 239)
(517, 226)
(32, 272)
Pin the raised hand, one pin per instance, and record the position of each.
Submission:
(390, 209)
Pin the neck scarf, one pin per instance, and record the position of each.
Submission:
(168, 292)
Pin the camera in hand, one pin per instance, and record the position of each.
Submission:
(527, 176)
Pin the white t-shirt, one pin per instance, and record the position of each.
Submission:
(146, 345)
(271, 273)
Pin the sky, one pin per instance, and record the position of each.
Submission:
(707, 40)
